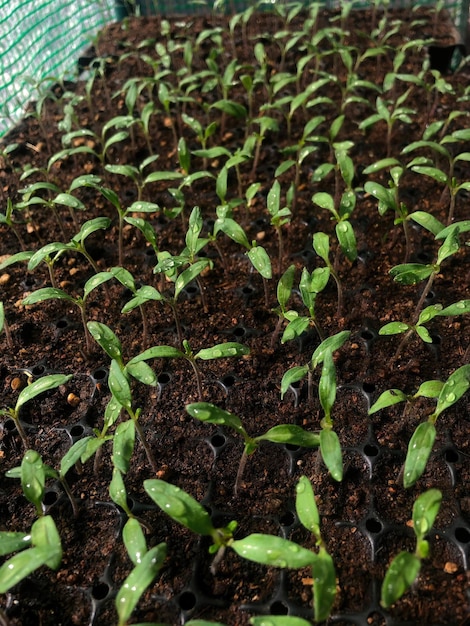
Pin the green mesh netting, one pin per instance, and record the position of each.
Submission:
(41, 40)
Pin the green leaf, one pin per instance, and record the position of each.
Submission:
(47, 293)
(321, 245)
(330, 449)
(43, 384)
(94, 282)
(20, 566)
(411, 273)
(428, 221)
(230, 107)
(272, 551)
(293, 375)
(327, 384)
(46, 251)
(450, 245)
(119, 385)
(425, 510)
(419, 450)
(190, 274)
(233, 230)
(433, 172)
(13, 541)
(429, 313)
(292, 434)
(284, 286)
(117, 490)
(73, 455)
(325, 201)
(295, 328)
(44, 535)
(458, 308)
(91, 226)
(106, 339)
(393, 328)
(424, 334)
(429, 389)
(387, 398)
(347, 239)
(401, 574)
(137, 582)
(324, 585)
(142, 372)
(207, 412)
(33, 478)
(260, 261)
(453, 389)
(180, 506)
(134, 540)
(157, 352)
(16, 258)
(332, 344)
(306, 506)
(123, 445)
(223, 350)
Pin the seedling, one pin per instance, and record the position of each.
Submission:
(426, 315)
(321, 245)
(412, 273)
(405, 567)
(41, 546)
(5, 327)
(428, 167)
(260, 548)
(46, 383)
(390, 112)
(187, 511)
(33, 473)
(284, 433)
(422, 440)
(298, 372)
(52, 293)
(279, 217)
(324, 575)
(257, 254)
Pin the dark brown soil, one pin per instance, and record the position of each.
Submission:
(365, 518)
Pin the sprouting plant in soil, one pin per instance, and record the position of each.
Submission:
(422, 441)
(404, 569)
(42, 545)
(283, 433)
(31, 391)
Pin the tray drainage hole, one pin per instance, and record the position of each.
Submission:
(100, 374)
(163, 378)
(77, 430)
(38, 370)
(9, 425)
(50, 497)
(451, 456)
(62, 324)
(462, 534)
(187, 601)
(287, 518)
(368, 387)
(373, 525)
(218, 440)
(228, 381)
(100, 590)
(371, 450)
(279, 608)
